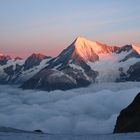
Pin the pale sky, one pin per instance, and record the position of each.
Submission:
(49, 26)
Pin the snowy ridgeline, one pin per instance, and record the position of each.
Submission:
(91, 110)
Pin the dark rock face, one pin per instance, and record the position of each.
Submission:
(123, 75)
(17, 70)
(129, 118)
(133, 54)
(128, 48)
(125, 48)
(50, 79)
(134, 72)
(33, 60)
(81, 76)
(38, 131)
(12, 74)
(4, 59)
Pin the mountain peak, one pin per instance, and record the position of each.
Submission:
(17, 58)
(38, 56)
(80, 38)
(82, 51)
(86, 49)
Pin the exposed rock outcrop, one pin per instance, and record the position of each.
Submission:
(4, 59)
(129, 118)
(34, 60)
(134, 72)
(18, 70)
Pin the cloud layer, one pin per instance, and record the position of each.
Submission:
(91, 110)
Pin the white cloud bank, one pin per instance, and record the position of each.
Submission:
(91, 110)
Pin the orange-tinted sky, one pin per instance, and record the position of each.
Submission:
(48, 26)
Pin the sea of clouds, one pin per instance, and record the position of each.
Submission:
(91, 110)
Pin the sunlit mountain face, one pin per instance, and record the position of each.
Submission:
(87, 50)
(137, 49)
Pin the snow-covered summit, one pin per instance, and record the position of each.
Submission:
(38, 55)
(82, 43)
(87, 49)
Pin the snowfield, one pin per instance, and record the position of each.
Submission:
(91, 110)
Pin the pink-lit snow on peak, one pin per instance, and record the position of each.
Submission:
(87, 49)
(137, 49)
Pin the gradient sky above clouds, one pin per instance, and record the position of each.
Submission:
(48, 26)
